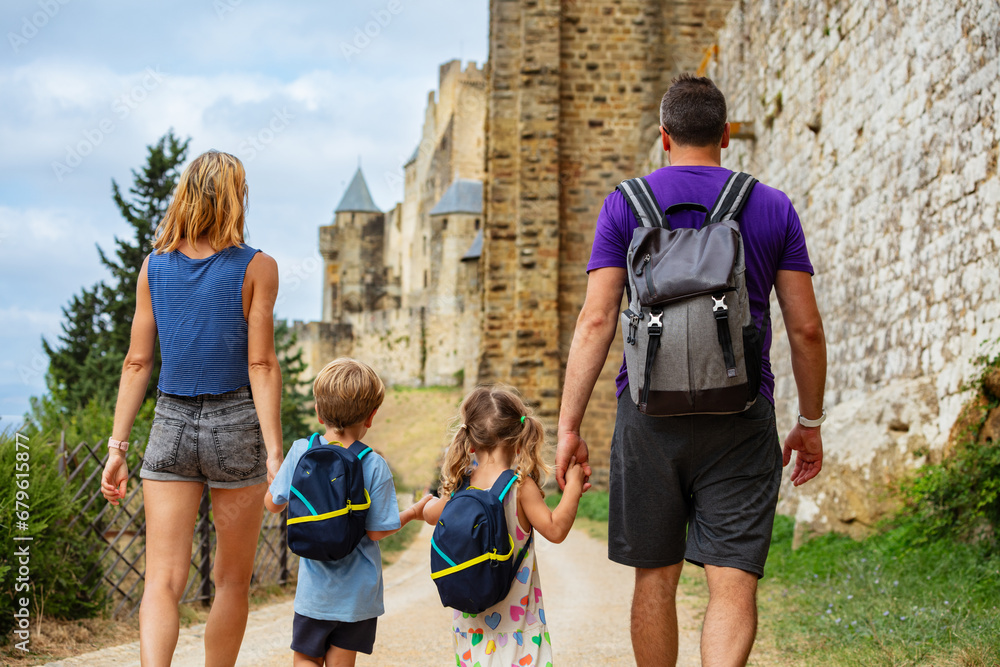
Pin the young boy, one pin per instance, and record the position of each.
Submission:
(337, 602)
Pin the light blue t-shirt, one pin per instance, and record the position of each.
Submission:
(349, 589)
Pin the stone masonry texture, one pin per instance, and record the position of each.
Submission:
(881, 121)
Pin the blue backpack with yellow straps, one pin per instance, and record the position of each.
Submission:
(328, 502)
(472, 553)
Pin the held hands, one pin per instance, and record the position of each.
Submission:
(273, 465)
(572, 452)
(415, 511)
(115, 476)
(576, 475)
(808, 442)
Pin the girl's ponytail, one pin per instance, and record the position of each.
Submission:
(457, 462)
(494, 416)
(528, 446)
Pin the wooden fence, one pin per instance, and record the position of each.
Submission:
(120, 530)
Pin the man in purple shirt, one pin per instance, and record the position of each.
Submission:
(701, 488)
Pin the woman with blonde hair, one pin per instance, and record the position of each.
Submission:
(209, 298)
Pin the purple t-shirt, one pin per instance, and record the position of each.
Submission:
(772, 238)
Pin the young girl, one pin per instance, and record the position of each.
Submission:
(497, 434)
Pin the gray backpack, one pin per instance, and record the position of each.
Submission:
(691, 346)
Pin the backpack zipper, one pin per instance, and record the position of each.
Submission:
(489, 523)
(649, 274)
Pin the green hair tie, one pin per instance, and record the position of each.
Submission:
(522, 418)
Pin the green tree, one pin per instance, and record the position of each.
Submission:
(296, 391)
(86, 363)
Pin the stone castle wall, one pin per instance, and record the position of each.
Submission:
(396, 292)
(451, 147)
(390, 341)
(881, 121)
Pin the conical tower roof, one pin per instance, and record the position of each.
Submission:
(464, 196)
(357, 199)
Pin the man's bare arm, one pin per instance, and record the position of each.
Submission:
(808, 346)
(595, 331)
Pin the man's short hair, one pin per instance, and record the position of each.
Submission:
(346, 392)
(693, 111)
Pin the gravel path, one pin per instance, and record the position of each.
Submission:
(587, 599)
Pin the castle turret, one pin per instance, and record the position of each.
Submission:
(352, 249)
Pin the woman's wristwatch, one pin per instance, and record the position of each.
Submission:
(118, 444)
(812, 423)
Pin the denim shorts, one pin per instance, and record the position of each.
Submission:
(701, 488)
(211, 438)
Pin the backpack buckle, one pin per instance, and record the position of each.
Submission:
(655, 323)
(719, 307)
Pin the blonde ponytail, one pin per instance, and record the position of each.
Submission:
(458, 461)
(528, 461)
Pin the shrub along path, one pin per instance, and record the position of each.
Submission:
(587, 600)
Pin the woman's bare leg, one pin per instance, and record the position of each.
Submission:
(171, 510)
(237, 514)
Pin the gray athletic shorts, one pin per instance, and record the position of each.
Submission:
(211, 438)
(713, 477)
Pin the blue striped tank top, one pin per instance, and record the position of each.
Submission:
(198, 307)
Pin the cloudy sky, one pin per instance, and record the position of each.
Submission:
(300, 91)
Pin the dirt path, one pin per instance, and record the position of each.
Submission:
(587, 600)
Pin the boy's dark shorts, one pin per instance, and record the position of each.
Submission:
(715, 477)
(314, 637)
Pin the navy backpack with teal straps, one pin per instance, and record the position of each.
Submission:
(472, 553)
(328, 502)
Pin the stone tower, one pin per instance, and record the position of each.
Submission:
(352, 249)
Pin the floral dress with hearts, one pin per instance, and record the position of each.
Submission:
(511, 632)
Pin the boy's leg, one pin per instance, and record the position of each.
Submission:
(171, 508)
(237, 514)
(340, 657)
(303, 660)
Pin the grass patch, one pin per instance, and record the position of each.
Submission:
(411, 431)
(592, 513)
(393, 546)
(882, 601)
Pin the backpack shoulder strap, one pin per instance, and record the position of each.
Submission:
(503, 484)
(359, 449)
(642, 201)
(312, 440)
(733, 197)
